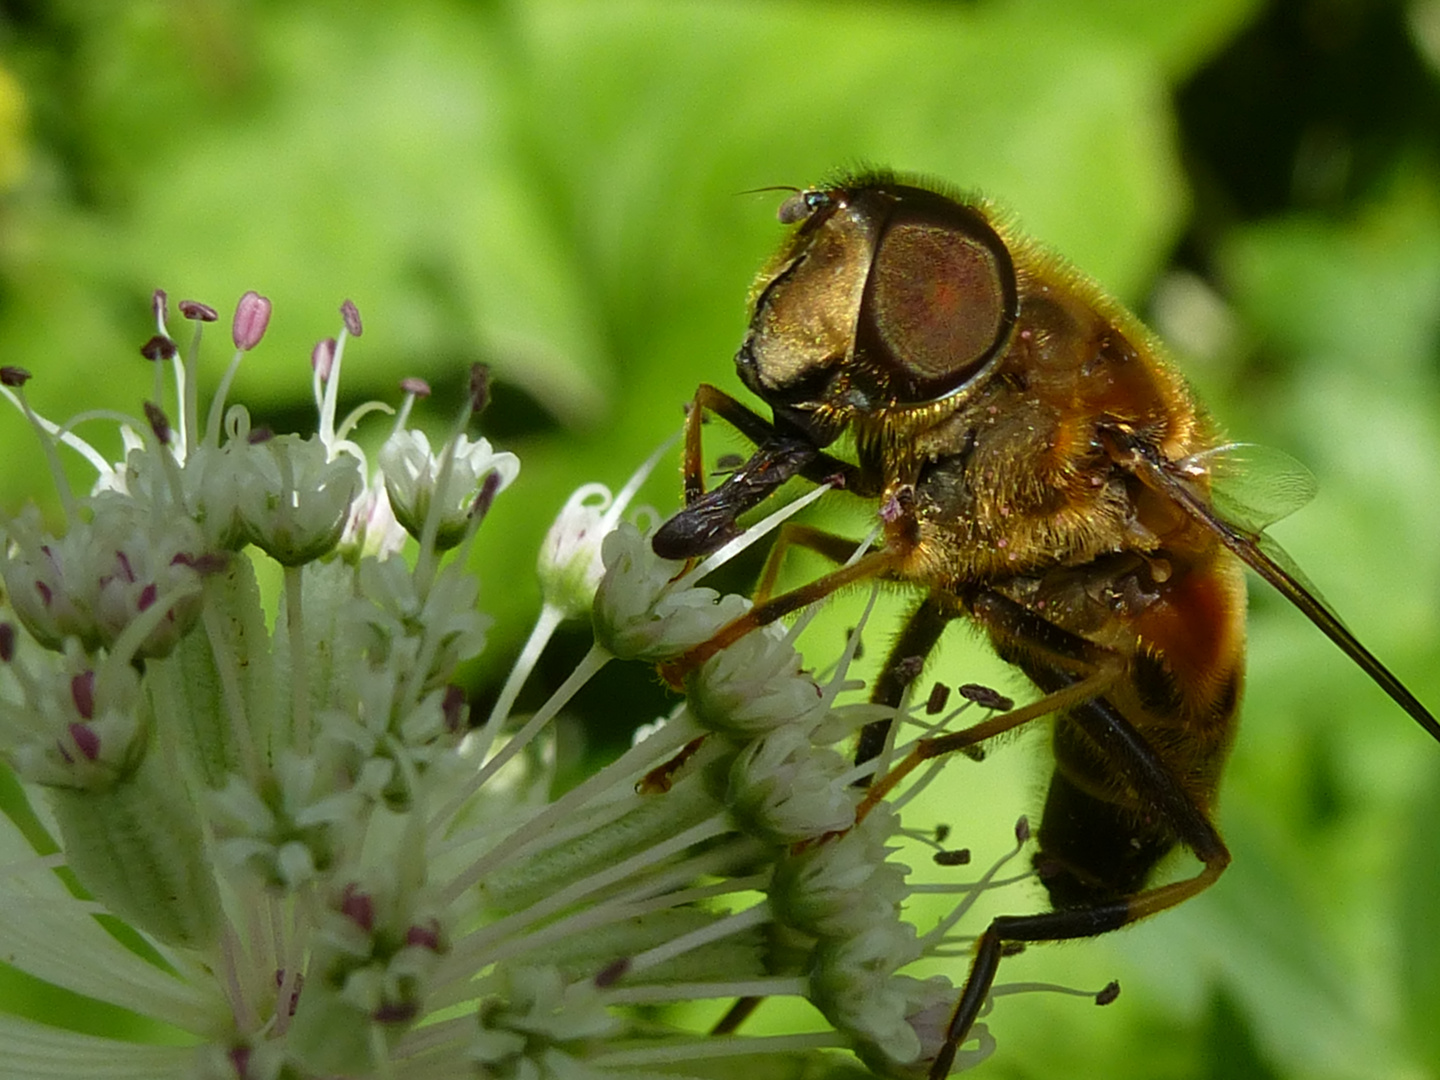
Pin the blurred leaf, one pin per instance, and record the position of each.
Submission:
(1418, 924)
(1181, 35)
(1229, 1049)
(14, 148)
(1363, 295)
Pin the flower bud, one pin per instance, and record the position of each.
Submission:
(293, 502)
(839, 887)
(638, 613)
(570, 566)
(784, 789)
(755, 686)
(104, 574)
(412, 477)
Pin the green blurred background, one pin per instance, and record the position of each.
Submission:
(552, 188)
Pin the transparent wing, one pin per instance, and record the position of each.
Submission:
(1250, 488)
(1236, 491)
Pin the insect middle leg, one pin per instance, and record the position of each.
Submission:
(873, 564)
(917, 640)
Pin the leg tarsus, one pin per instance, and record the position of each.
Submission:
(977, 987)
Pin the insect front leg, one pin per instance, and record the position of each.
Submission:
(759, 430)
(709, 519)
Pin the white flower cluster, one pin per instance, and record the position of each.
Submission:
(338, 871)
(769, 755)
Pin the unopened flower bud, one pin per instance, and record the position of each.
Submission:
(638, 613)
(570, 566)
(412, 473)
(103, 575)
(785, 790)
(293, 502)
(755, 686)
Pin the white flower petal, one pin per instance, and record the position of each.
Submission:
(36, 1052)
(49, 934)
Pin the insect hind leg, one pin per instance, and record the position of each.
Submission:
(1158, 787)
(1065, 924)
(1074, 675)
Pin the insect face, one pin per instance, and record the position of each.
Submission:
(885, 298)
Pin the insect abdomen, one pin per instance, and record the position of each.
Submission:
(1180, 693)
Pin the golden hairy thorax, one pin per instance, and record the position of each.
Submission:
(1013, 476)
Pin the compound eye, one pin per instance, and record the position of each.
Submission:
(941, 303)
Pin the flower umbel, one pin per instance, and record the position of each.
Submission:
(334, 869)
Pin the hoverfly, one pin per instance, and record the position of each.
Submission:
(1039, 469)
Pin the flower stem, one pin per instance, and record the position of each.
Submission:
(546, 623)
(299, 683)
(709, 1047)
(777, 986)
(592, 662)
(755, 915)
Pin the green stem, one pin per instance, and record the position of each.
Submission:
(299, 682)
